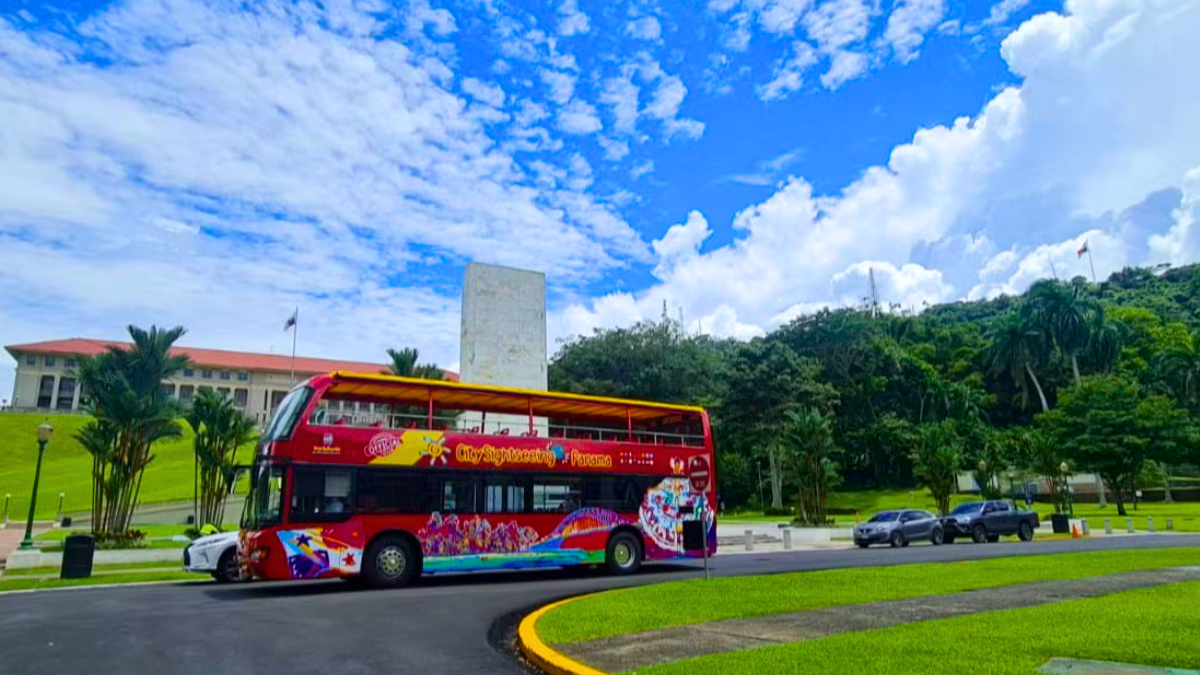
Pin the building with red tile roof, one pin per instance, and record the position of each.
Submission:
(256, 382)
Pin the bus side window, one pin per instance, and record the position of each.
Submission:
(389, 491)
(321, 493)
(455, 494)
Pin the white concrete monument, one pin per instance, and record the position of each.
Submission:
(503, 339)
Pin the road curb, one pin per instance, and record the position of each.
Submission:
(82, 587)
(542, 655)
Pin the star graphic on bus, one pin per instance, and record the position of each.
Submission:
(303, 540)
(436, 450)
(348, 561)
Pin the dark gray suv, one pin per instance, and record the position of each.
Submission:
(898, 528)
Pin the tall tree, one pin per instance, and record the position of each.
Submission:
(1179, 368)
(807, 440)
(220, 429)
(1063, 313)
(1110, 426)
(403, 363)
(131, 413)
(937, 460)
(1017, 348)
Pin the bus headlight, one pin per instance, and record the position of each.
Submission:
(259, 554)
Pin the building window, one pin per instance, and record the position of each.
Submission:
(186, 393)
(168, 390)
(68, 363)
(225, 375)
(243, 376)
(45, 391)
(203, 388)
(66, 393)
(50, 361)
(223, 391)
(241, 397)
(189, 372)
(206, 374)
(31, 360)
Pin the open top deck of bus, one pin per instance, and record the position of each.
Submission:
(456, 395)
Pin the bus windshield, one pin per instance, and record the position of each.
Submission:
(284, 421)
(263, 504)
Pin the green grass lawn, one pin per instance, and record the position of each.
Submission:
(67, 467)
(96, 569)
(649, 607)
(1186, 515)
(16, 584)
(1155, 626)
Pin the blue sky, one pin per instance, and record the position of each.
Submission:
(215, 164)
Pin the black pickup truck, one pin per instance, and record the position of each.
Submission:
(988, 521)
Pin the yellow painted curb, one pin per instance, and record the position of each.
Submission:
(544, 657)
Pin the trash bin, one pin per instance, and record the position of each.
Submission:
(78, 551)
(1061, 523)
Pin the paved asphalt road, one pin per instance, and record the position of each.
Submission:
(440, 625)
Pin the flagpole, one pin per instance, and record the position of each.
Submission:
(1052, 270)
(1092, 265)
(295, 329)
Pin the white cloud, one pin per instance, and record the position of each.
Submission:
(908, 24)
(214, 165)
(645, 28)
(788, 75)
(664, 105)
(579, 118)
(641, 169)
(614, 150)
(1002, 10)
(680, 243)
(560, 86)
(620, 94)
(837, 24)
(572, 21)
(487, 94)
(910, 286)
(844, 67)
(1087, 147)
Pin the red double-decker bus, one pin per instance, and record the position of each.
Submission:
(387, 478)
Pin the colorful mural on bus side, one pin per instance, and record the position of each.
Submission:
(463, 543)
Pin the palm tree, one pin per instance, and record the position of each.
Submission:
(220, 429)
(404, 364)
(1179, 368)
(1016, 347)
(1063, 314)
(1105, 342)
(807, 439)
(132, 413)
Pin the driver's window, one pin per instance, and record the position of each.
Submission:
(990, 508)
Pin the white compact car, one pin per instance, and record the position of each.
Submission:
(215, 554)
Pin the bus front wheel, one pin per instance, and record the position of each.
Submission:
(624, 554)
(390, 562)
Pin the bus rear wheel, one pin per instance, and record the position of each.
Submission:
(624, 553)
(390, 562)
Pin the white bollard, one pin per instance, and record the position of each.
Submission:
(1170, 524)
(787, 538)
(750, 539)
(1129, 525)
(1108, 526)
(1150, 525)
(1084, 525)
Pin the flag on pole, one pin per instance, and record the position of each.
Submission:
(1083, 250)
(291, 320)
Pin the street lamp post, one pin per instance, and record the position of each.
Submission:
(761, 505)
(44, 432)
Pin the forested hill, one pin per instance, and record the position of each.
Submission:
(991, 369)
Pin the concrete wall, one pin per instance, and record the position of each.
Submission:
(503, 338)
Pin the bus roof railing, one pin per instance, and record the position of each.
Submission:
(459, 396)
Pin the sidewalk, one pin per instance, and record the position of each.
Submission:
(640, 650)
